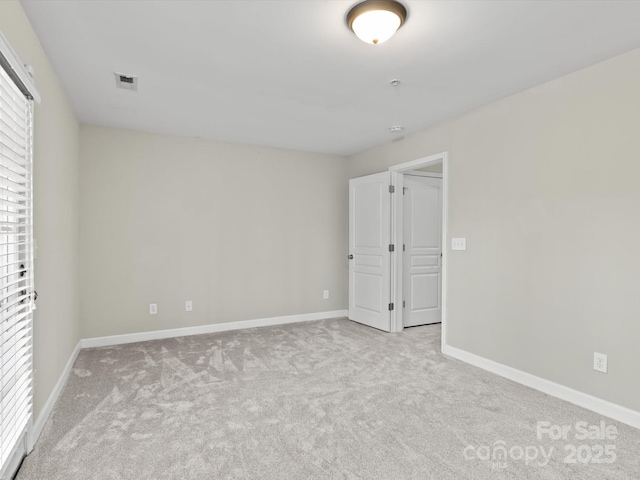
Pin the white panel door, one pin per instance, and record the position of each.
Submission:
(369, 261)
(422, 256)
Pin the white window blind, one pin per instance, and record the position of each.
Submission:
(16, 265)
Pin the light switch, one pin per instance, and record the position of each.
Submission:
(458, 244)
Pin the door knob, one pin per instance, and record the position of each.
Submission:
(350, 257)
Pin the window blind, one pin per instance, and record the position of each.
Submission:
(16, 265)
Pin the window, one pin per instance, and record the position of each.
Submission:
(16, 261)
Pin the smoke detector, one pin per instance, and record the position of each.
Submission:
(126, 82)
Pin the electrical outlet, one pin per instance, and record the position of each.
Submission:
(188, 306)
(600, 362)
(153, 308)
(325, 294)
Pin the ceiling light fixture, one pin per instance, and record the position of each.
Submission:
(396, 129)
(375, 21)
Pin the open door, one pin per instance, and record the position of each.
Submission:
(369, 261)
(422, 252)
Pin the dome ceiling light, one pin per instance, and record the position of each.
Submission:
(375, 21)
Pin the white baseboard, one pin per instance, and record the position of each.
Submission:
(603, 407)
(36, 428)
(212, 328)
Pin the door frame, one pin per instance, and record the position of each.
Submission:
(397, 221)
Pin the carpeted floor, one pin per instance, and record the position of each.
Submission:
(318, 400)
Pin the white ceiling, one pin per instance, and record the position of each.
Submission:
(290, 74)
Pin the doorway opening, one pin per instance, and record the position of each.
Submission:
(422, 248)
(377, 289)
(429, 176)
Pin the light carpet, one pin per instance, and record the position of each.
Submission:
(318, 400)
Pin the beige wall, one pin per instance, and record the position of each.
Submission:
(56, 321)
(244, 232)
(432, 168)
(545, 186)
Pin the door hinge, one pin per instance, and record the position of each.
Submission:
(404, 303)
(391, 306)
(404, 190)
(392, 189)
(404, 247)
(392, 247)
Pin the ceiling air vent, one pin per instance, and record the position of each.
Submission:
(128, 82)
